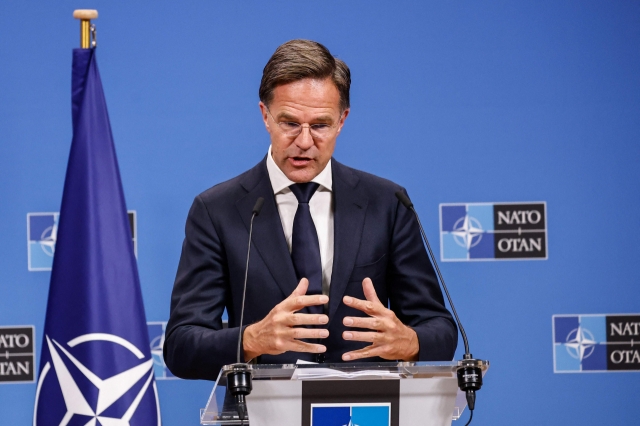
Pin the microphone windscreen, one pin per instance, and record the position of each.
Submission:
(258, 206)
(404, 199)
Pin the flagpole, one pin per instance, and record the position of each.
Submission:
(85, 16)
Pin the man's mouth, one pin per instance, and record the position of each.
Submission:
(299, 161)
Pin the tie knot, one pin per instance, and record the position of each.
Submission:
(304, 191)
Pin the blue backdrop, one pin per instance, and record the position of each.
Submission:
(458, 101)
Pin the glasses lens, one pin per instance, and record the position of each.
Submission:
(290, 128)
(320, 130)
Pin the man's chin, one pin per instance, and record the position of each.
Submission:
(301, 175)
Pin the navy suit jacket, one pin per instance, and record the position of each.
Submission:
(374, 236)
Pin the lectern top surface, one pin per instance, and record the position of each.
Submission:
(361, 370)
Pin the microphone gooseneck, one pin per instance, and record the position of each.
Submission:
(404, 199)
(239, 380)
(469, 374)
(255, 212)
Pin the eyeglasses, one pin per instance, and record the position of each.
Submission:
(293, 129)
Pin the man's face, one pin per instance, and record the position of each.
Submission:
(306, 102)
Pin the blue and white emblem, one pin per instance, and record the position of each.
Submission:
(596, 343)
(580, 343)
(42, 232)
(493, 231)
(355, 414)
(156, 341)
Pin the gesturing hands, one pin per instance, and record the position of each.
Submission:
(276, 334)
(390, 339)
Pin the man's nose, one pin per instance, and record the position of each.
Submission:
(304, 139)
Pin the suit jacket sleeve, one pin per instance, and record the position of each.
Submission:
(414, 293)
(196, 346)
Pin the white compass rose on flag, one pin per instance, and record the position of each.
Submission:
(110, 389)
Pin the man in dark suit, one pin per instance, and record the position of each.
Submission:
(332, 246)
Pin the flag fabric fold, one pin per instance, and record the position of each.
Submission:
(95, 365)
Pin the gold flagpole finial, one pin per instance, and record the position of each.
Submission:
(85, 16)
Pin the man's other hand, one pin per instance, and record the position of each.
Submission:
(276, 333)
(390, 339)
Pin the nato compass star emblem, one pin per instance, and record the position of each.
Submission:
(157, 344)
(110, 389)
(580, 343)
(48, 239)
(467, 232)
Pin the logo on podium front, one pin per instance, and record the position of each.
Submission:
(493, 231)
(596, 343)
(356, 414)
(351, 403)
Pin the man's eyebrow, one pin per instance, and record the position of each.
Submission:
(286, 116)
(325, 118)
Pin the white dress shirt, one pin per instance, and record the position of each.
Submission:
(320, 206)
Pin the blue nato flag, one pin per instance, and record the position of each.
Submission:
(96, 367)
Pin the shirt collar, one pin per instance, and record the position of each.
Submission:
(280, 181)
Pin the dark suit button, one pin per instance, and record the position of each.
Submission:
(319, 358)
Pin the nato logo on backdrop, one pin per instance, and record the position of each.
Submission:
(493, 231)
(156, 341)
(42, 232)
(596, 343)
(17, 354)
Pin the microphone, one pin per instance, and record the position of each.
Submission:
(470, 374)
(255, 212)
(239, 380)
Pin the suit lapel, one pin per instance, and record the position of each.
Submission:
(268, 236)
(349, 212)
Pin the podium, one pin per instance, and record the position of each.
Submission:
(389, 394)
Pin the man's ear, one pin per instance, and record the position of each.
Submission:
(265, 117)
(343, 117)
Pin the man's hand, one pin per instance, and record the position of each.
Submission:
(390, 339)
(276, 334)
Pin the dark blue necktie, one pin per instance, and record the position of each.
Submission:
(305, 248)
